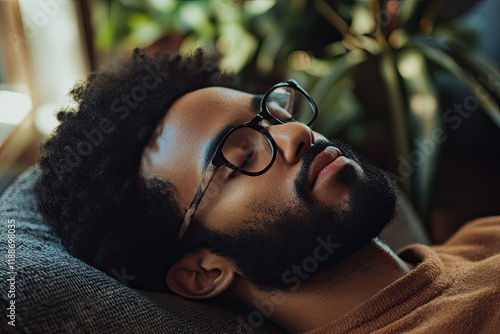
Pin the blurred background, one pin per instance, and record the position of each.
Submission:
(414, 85)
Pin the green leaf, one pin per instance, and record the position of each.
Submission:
(480, 77)
(426, 125)
(407, 12)
(390, 79)
(484, 70)
(333, 94)
(419, 15)
(342, 68)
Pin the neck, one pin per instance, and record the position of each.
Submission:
(330, 294)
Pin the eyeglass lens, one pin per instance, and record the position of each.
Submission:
(287, 104)
(248, 149)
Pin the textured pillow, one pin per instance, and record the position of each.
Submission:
(54, 292)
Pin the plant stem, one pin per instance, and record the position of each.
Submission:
(335, 20)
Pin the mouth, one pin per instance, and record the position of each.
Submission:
(326, 164)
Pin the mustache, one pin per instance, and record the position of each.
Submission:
(308, 157)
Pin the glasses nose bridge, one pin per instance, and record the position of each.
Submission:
(257, 119)
(256, 122)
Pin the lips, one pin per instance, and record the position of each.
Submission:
(324, 164)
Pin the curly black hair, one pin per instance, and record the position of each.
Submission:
(89, 189)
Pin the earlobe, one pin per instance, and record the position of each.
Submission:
(200, 275)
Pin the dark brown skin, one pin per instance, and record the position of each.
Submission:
(176, 152)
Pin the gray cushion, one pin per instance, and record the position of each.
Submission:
(57, 293)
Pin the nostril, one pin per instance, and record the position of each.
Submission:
(299, 148)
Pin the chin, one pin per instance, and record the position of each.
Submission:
(349, 175)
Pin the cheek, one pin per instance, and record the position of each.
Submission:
(226, 207)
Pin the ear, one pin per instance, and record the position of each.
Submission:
(200, 275)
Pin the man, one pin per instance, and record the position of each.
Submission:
(202, 190)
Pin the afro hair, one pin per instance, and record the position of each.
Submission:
(89, 189)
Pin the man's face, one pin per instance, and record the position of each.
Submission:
(271, 222)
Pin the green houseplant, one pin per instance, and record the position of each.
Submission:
(373, 66)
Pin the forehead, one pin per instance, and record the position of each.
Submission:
(177, 146)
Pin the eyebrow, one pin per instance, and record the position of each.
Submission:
(255, 102)
(209, 149)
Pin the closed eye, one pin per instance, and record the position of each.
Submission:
(233, 174)
(245, 163)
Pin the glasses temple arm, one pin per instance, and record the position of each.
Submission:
(205, 182)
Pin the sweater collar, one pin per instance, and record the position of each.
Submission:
(401, 297)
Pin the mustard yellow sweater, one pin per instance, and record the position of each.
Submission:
(455, 288)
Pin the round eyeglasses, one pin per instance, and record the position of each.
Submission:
(249, 148)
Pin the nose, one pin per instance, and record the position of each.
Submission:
(291, 139)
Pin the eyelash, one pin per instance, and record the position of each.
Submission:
(233, 174)
(229, 174)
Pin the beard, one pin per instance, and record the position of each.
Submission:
(295, 242)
